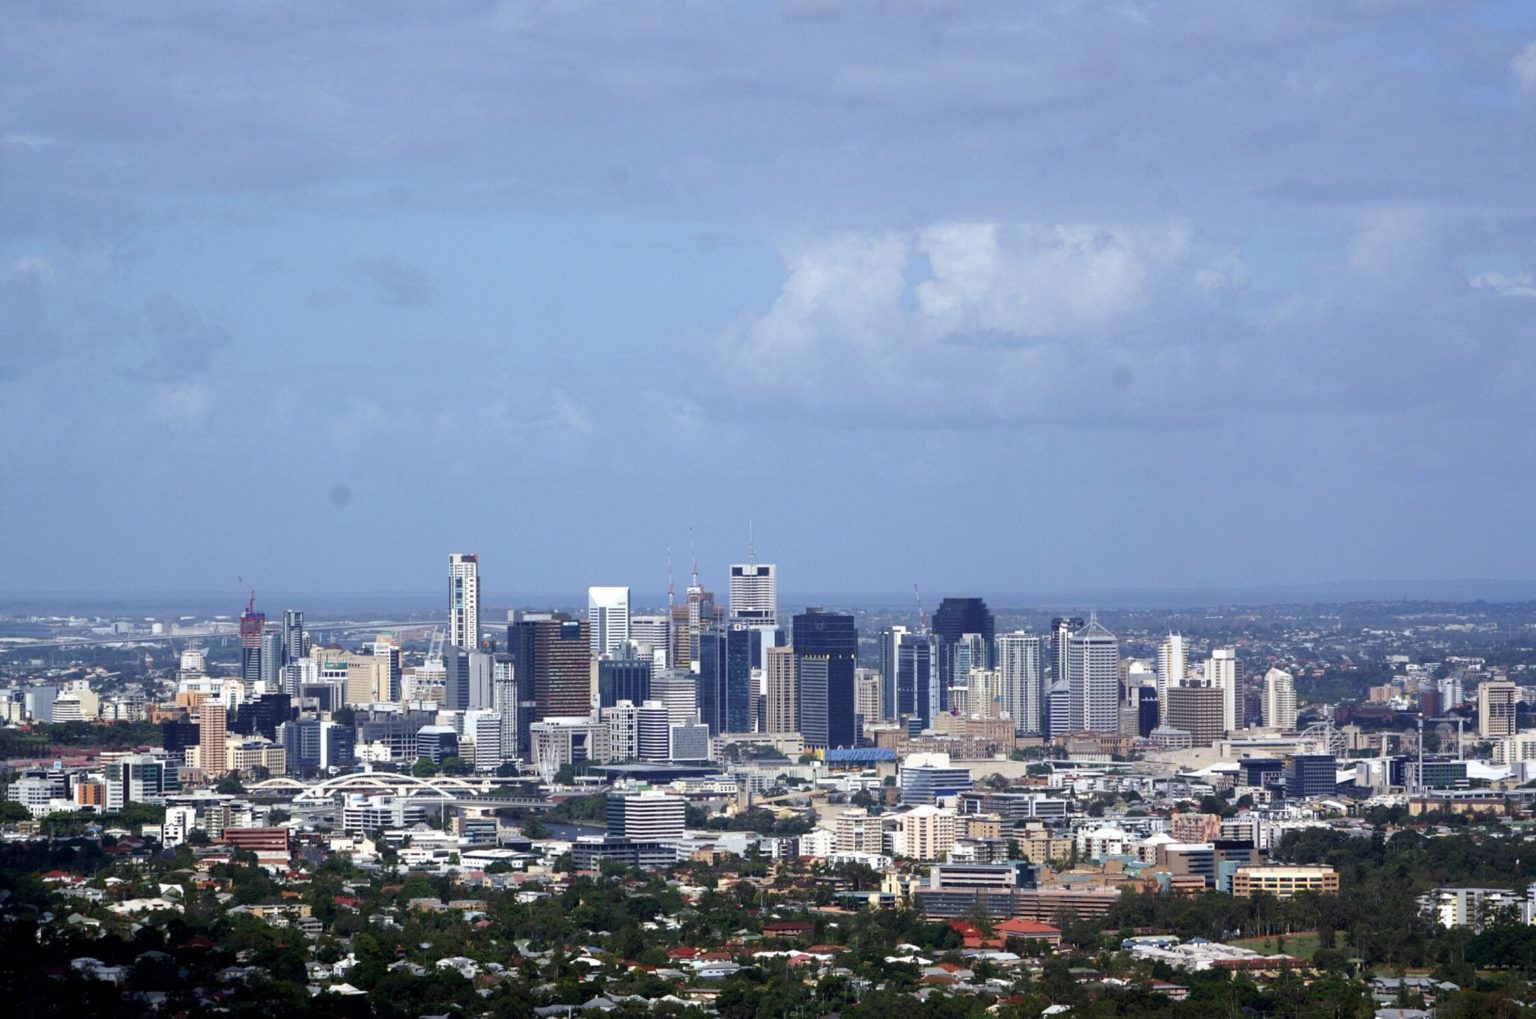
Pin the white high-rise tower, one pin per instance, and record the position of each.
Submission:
(1018, 661)
(1171, 669)
(607, 618)
(464, 600)
(755, 594)
(1221, 672)
(1279, 700)
(1093, 679)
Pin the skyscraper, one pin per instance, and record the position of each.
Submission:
(1093, 679)
(1279, 700)
(551, 669)
(755, 594)
(252, 625)
(456, 662)
(623, 679)
(725, 678)
(271, 666)
(1062, 628)
(781, 713)
(826, 646)
(294, 644)
(955, 618)
(212, 727)
(917, 688)
(1018, 660)
(1171, 667)
(464, 600)
(607, 619)
(890, 639)
(1221, 673)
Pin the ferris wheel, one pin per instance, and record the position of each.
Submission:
(1323, 738)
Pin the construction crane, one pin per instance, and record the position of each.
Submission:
(1460, 721)
(434, 657)
(922, 619)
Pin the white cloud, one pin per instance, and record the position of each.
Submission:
(1521, 284)
(181, 403)
(973, 319)
(1524, 67)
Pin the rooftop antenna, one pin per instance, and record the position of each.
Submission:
(751, 547)
(695, 547)
(671, 588)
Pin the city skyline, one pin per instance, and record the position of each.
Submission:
(1269, 268)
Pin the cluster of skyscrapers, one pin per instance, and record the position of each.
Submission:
(553, 688)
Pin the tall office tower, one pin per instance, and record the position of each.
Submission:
(681, 639)
(890, 638)
(955, 618)
(969, 654)
(623, 679)
(482, 680)
(755, 594)
(1093, 679)
(252, 625)
(522, 647)
(212, 728)
(701, 612)
(456, 685)
(386, 653)
(1018, 661)
(1279, 700)
(725, 678)
(607, 618)
(826, 646)
(1496, 699)
(678, 689)
(272, 660)
(1196, 710)
(917, 688)
(294, 644)
(1171, 665)
(505, 701)
(1221, 672)
(562, 669)
(866, 697)
(781, 711)
(1062, 628)
(652, 637)
(464, 600)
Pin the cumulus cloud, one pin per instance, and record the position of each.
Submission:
(559, 415)
(1521, 284)
(976, 320)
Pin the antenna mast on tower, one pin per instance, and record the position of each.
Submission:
(695, 548)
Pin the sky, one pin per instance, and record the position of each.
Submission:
(988, 296)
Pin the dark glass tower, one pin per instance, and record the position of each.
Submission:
(623, 679)
(826, 653)
(725, 678)
(956, 618)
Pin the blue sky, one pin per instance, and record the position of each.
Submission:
(1019, 297)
